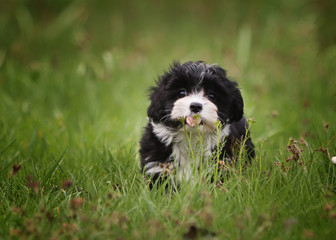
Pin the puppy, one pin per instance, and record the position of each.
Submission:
(191, 107)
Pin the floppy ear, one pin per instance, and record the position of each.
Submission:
(156, 107)
(236, 106)
(156, 110)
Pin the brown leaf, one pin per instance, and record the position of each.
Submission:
(16, 169)
(328, 207)
(34, 185)
(66, 184)
(76, 203)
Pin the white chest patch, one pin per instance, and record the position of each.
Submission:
(190, 149)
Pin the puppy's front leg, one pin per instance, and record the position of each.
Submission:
(156, 160)
(158, 172)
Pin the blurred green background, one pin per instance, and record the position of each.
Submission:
(89, 58)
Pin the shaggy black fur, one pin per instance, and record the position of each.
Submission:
(193, 76)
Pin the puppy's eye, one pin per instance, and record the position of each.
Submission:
(182, 93)
(211, 96)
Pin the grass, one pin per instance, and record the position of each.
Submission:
(73, 81)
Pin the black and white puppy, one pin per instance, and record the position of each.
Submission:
(191, 97)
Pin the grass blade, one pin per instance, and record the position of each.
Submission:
(53, 168)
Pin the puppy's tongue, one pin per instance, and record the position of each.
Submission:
(192, 122)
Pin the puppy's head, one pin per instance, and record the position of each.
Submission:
(195, 93)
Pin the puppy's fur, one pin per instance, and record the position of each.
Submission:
(191, 98)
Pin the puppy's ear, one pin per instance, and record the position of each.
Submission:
(236, 106)
(156, 107)
(157, 95)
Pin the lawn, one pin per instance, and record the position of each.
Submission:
(73, 97)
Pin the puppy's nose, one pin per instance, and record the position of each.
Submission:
(195, 107)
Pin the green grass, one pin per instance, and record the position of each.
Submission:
(73, 82)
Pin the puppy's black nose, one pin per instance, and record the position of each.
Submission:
(195, 107)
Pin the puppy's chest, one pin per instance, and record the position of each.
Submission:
(188, 152)
(189, 149)
(192, 148)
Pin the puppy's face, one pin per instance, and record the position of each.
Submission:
(195, 94)
(195, 108)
